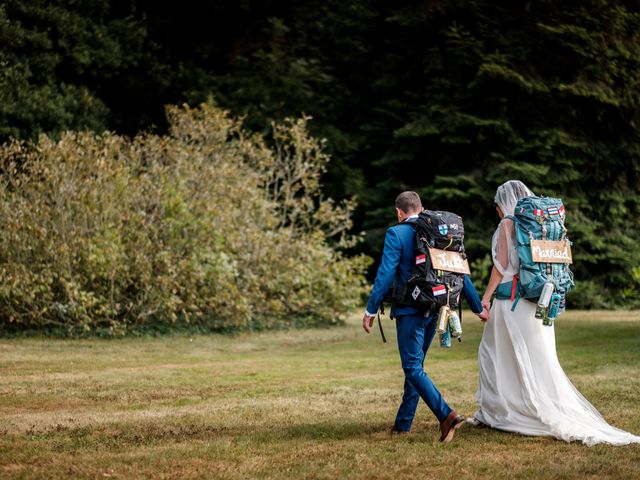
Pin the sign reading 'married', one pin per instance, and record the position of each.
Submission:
(448, 261)
(550, 251)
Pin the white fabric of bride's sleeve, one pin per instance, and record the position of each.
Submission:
(503, 249)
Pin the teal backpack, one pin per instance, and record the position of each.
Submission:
(535, 219)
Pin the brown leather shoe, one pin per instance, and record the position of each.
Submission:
(449, 426)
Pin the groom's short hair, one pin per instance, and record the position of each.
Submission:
(409, 202)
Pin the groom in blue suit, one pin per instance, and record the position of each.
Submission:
(415, 327)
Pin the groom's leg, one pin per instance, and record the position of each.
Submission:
(410, 399)
(414, 336)
(407, 409)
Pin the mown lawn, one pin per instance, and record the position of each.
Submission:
(299, 404)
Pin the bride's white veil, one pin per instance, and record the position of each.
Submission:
(508, 194)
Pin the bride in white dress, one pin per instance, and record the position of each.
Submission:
(523, 388)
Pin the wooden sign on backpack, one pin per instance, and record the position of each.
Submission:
(551, 251)
(449, 261)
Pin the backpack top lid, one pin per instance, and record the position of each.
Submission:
(440, 229)
(536, 208)
(532, 212)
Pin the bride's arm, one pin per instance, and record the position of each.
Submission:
(501, 259)
(494, 281)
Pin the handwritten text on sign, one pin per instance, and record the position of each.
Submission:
(549, 251)
(449, 261)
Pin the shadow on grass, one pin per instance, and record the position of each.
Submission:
(126, 435)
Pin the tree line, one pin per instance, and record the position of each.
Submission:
(448, 98)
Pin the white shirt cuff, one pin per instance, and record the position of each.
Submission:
(369, 314)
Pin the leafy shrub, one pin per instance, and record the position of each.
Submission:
(208, 227)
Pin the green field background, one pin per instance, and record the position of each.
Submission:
(292, 404)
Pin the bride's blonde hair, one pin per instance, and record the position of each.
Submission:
(508, 194)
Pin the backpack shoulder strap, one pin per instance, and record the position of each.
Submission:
(514, 285)
(409, 221)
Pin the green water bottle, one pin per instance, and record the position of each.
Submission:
(554, 306)
(445, 339)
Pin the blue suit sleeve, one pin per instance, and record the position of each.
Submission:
(471, 295)
(387, 270)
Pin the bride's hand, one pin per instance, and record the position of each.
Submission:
(486, 304)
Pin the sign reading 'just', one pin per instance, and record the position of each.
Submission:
(550, 251)
(448, 261)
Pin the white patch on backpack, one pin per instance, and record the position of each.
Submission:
(416, 293)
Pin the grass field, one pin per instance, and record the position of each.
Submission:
(299, 404)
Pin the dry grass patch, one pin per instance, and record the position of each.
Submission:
(296, 404)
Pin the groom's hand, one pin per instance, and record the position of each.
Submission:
(367, 322)
(484, 315)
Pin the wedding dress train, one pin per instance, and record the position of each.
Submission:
(523, 388)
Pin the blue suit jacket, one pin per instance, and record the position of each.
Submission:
(397, 262)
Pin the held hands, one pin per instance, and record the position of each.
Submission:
(484, 315)
(486, 303)
(367, 322)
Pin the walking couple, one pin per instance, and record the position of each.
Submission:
(523, 388)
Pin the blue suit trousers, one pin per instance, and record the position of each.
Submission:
(415, 333)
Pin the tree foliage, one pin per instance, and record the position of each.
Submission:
(206, 227)
(76, 66)
(449, 98)
(540, 91)
(453, 98)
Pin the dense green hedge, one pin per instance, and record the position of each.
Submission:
(206, 227)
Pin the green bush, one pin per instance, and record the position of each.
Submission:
(207, 227)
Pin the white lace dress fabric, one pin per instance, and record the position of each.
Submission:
(523, 388)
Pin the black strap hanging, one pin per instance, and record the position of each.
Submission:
(381, 310)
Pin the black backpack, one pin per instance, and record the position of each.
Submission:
(428, 286)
